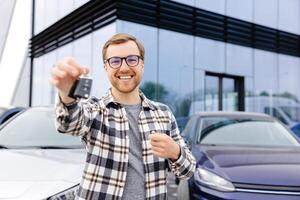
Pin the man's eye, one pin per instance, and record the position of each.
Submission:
(114, 61)
(131, 60)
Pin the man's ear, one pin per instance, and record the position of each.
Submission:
(105, 67)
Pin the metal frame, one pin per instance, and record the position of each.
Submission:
(239, 87)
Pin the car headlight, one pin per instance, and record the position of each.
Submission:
(68, 194)
(214, 181)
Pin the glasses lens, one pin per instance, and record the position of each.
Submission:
(132, 61)
(115, 62)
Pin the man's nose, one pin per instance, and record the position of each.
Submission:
(124, 65)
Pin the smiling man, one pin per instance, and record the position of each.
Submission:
(130, 140)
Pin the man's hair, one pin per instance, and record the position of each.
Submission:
(121, 38)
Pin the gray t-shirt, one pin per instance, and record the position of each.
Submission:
(134, 188)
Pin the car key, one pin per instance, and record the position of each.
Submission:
(81, 88)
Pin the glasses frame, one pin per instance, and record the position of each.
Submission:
(123, 58)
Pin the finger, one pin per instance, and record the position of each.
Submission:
(157, 149)
(54, 81)
(157, 136)
(81, 69)
(71, 70)
(157, 143)
(57, 73)
(85, 70)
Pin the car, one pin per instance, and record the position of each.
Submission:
(241, 155)
(8, 112)
(37, 162)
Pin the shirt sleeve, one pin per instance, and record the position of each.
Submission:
(75, 118)
(184, 166)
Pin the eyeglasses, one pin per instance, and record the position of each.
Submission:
(116, 62)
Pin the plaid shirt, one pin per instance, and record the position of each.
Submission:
(104, 128)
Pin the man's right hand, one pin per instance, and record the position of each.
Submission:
(64, 74)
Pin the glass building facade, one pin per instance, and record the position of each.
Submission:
(191, 70)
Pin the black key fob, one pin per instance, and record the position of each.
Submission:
(81, 88)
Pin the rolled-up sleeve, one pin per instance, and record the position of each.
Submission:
(184, 166)
(74, 118)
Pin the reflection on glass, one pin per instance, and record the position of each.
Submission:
(230, 97)
(211, 101)
(231, 131)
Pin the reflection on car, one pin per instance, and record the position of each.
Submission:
(8, 112)
(241, 156)
(36, 161)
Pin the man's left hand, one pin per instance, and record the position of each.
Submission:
(164, 146)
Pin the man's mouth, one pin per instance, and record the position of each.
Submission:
(127, 77)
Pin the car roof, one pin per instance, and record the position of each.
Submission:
(235, 114)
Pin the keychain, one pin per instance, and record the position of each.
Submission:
(81, 87)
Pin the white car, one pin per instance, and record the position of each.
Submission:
(37, 162)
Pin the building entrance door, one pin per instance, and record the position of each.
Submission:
(224, 92)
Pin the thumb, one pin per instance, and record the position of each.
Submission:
(85, 70)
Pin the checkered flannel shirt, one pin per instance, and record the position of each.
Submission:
(103, 127)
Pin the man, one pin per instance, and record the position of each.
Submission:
(130, 140)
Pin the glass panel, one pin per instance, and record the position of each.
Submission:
(100, 80)
(198, 105)
(211, 99)
(230, 96)
(143, 33)
(37, 87)
(175, 86)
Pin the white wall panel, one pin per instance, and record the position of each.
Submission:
(187, 2)
(289, 16)
(65, 7)
(265, 12)
(51, 12)
(78, 3)
(239, 60)
(210, 55)
(240, 9)
(217, 6)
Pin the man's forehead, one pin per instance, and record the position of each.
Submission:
(126, 48)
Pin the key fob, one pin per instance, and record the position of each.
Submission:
(81, 88)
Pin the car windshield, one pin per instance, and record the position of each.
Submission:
(35, 128)
(292, 112)
(232, 131)
(2, 110)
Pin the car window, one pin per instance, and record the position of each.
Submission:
(190, 129)
(245, 132)
(35, 128)
(2, 110)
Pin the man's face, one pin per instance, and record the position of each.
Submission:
(124, 79)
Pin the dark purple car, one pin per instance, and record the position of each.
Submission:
(241, 156)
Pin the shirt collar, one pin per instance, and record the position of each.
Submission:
(146, 103)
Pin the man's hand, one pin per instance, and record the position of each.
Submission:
(164, 146)
(64, 74)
